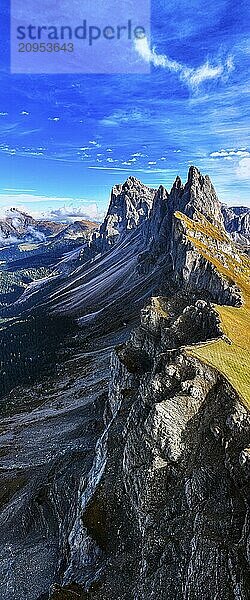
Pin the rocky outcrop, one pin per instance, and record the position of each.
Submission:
(192, 269)
(166, 236)
(164, 511)
(16, 225)
(237, 223)
(129, 206)
(199, 196)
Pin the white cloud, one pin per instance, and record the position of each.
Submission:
(3, 114)
(71, 212)
(243, 169)
(163, 158)
(56, 119)
(151, 162)
(193, 77)
(24, 112)
(242, 152)
(70, 209)
(109, 150)
(138, 154)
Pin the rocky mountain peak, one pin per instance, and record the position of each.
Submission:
(16, 215)
(14, 224)
(159, 207)
(162, 192)
(157, 216)
(193, 174)
(199, 196)
(177, 183)
(130, 205)
(131, 182)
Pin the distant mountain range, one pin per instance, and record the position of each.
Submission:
(18, 227)
(30, 249)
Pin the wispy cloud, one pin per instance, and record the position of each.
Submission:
(130, 115)
(15, 190)
(192, 77)
(129, 170)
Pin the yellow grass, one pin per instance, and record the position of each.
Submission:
(230, 355)
(157, 303)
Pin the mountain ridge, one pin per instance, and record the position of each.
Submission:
(154, 230)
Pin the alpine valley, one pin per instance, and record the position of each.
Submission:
(125, 378)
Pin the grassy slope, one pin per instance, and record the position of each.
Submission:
(230, 355)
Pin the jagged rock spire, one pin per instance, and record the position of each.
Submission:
(157, 214)
(200, 195)
(129, 206)
(132, 203)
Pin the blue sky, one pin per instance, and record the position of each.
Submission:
(66, 139)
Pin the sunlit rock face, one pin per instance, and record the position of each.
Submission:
(130, 205)
(199, 195)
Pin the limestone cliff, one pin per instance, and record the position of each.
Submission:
(164, 512)
(130, 204)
